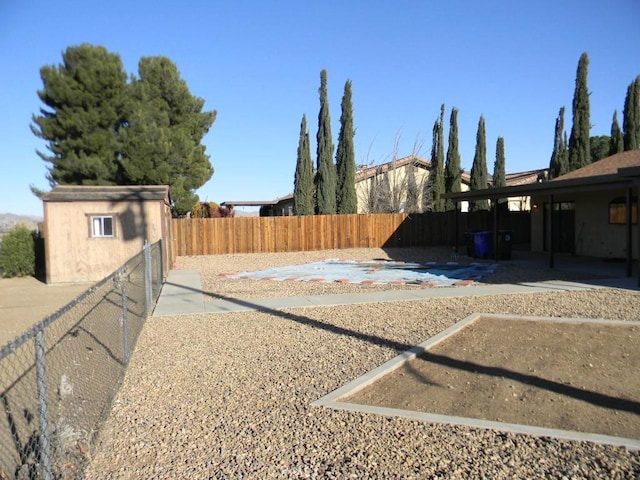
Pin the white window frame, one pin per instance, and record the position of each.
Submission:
(98, 226)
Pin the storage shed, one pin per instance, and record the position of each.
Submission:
(90, 231)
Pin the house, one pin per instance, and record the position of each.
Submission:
(397, 172)
(592, 211)
(92, 230)
(590, 218)
(368, 180)
(279, 207)
(523, 202)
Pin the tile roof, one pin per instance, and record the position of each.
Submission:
(606, 166)
(369, 171)
(524, 178)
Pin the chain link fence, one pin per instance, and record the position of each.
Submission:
(57, 380)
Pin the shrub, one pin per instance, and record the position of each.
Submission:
(17, 256)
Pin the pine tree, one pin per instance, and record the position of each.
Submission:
(303, 184)
(616, 144)
(346, 199)
(479, 180)
(83, 115)
(558, 164)
(326, 170)
(435, 186)
(163, 141)
(631, 116)
(102, 130)
(579, 154)
(453, 171)
(499, 169)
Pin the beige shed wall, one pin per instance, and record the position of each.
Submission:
(72, 255)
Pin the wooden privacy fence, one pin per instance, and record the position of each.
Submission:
(214, 236)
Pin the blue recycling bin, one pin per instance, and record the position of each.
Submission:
(483, 243)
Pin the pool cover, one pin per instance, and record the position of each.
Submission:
(441, 275)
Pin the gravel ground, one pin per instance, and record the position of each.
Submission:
(228, 396)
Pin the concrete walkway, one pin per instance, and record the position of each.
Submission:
(182, 294)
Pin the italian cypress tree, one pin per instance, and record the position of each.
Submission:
(579, 154)
(559, 160)
(373, 192)
(479, 180)
(499, 169)
(631, 116)
(326, 170)
(429, 195)
(412, 203)
(599, 146)
(616, 143)
(385, 196)
(303, 184)
(83, 115)
(453, 171)
(436, 183)
(346, 199)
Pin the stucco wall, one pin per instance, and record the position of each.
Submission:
(72, 255)
(398, 184)
(594, 236)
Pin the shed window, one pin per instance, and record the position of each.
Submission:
(618, 211)
(102, 226)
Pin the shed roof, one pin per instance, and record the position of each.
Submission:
(79, 193)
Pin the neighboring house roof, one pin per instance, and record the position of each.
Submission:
(365, 172)
(77, 193)
(606, 166)
(256, 203)
(524, 178)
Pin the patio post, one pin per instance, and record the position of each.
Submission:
(638, 228)
(629, 242)
(456, 219)
(550, 232)
(494, 207)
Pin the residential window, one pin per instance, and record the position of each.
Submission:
(618, 211)
(101, 226)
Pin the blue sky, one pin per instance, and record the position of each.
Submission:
(258, 64)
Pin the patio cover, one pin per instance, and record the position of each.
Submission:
(620, 171)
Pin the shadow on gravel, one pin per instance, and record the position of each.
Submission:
(593, 398)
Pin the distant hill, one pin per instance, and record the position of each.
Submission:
(10, 220)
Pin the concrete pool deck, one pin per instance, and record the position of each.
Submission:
(182, 293)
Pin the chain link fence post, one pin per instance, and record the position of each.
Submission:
(43, 413)
(122, 277)
(148, 278)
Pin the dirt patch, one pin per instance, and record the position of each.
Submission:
(26, 301)
(568, 376)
